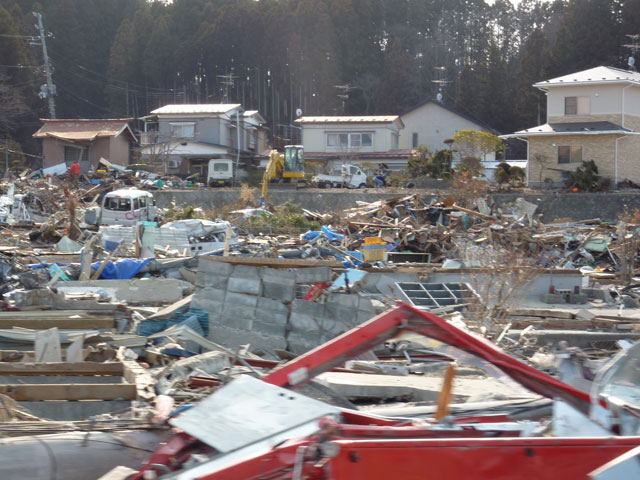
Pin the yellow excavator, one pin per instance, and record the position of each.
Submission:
(287, 169)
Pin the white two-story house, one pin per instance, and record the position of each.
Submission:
(591, 115)
(183, 138)
(354, 139)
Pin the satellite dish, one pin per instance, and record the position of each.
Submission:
(298, 112)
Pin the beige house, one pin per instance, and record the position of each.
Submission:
(86, 141)
(354, 139)
(591, 115)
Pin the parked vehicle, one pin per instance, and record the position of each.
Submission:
(348, 176)
(128, 207)
(220, 173)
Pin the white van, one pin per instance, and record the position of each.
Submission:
(127, 207)
(220, 173)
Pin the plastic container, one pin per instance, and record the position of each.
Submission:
(373, 241)
(374, 253)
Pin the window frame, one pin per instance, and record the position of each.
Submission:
(572, 150)
(174, 126)
(348, 139)
(582, 105)
(414, 140)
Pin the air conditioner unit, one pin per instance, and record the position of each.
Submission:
(173, 163)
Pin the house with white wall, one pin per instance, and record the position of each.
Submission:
(354, 139)
(591, 115)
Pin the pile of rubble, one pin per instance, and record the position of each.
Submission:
(115, 333)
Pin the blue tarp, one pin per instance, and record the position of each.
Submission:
(123, 269)
(149, 327)
(310, 235)
(119, 270)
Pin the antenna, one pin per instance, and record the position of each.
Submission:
(441, 81)
(227, 81)
(634, 46)
(345, 95)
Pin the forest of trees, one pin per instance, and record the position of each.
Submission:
(123, 58)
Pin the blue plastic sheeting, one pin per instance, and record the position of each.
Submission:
(350, 276)
(200, 324)
(327, 231)
(123, 269)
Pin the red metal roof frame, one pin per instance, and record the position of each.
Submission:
(403, 318)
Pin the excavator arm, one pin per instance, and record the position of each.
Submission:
(274, 169)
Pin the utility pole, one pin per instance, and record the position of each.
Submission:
(48, 90)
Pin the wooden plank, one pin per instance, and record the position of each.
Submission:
(172, 309)
(66, 323)
(61, 368)
(542, 312)
(54, 314)
(87, 391)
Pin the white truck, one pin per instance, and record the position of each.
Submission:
(347, 176)
(220, 173)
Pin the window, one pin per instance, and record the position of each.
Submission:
(75, 154)
(120, 204)
(394, 141)
(251, 139)
(183, 130)
(349, 140)
(220, 167)
(569, 154)
(414, 140)
(576, 105)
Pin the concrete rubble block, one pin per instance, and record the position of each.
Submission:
(267, 328)
(308, 308)
(212, 307)
(251, 286)
(553, 298)
(577, 298)
(313, 275)
(593, 292)
(630, 302)
(304, 341)
(272, 306)
(303, 323)
(277, 275)
(366, 305)
(222, 269)
(233, 310)
(285, 292)
(242, 299)
(205, 279)
(133, 291)
(344, 300)
(233, 338)
(245, 271)
(346, 316)
(209, 293)
(240, 322)
(270, 316)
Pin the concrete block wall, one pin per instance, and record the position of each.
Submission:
(258, 306)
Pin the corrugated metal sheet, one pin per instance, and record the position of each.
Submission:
(82, 129)
(597, 74)
(350, 119)
(197, 108)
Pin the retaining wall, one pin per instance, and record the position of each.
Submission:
(577, 206)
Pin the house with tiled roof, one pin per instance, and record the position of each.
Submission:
(86, 141)
(591, 115)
